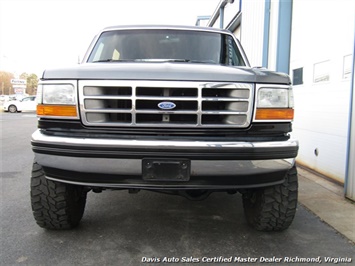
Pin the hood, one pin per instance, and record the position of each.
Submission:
(166, 71)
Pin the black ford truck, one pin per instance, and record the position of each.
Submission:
(170, 109)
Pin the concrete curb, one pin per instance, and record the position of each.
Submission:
(326, 200)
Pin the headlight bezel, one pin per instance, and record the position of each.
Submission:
(57, 99)
(273, 103)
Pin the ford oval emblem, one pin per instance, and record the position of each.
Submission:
(166, 105)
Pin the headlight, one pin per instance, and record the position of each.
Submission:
(275, 98)
(59, 94)
(274, 103)
(57, 100)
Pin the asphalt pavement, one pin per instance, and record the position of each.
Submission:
(156, 229)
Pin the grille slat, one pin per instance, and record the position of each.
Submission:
(165, 104)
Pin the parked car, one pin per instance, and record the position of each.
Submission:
(26, 104)
(4, 98)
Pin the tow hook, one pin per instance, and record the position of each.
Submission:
(195, 194)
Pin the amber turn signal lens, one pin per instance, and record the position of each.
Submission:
(56, 110)
(274, 114)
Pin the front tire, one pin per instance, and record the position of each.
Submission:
(12, 109)
(272, 208)
(55, 205)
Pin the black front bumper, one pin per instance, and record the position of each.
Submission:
(118, 163)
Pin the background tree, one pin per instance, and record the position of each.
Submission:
(24, 75)
(5, 82)
(32, 82)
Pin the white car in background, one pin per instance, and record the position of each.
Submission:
(26, 104)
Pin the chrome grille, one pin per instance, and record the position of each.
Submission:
(135, 104)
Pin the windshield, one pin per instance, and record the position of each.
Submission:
(166, 45)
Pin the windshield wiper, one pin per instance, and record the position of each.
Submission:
(188, 61)
(156, 60)
(203, 61)
(191, 61)
(113, 60)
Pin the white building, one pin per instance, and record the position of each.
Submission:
(313, 41)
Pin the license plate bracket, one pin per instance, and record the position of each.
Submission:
(163, 169)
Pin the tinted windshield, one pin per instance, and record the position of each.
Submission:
(179, 45)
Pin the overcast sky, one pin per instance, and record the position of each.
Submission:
(40, 34)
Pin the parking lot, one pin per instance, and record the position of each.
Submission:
(148, 228)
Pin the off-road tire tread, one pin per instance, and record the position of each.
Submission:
(273, 208)
(55, 205)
